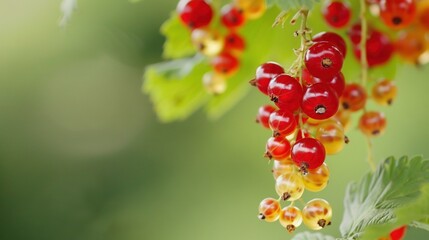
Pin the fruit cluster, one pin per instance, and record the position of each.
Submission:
(223, 48)
(304, 126)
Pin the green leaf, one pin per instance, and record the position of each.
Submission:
(175, 87)
(395, 195)
(421, 224)
(311, 236)
(178, 40)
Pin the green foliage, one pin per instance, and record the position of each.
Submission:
(178, 41)
(395, 195)
(312, 236)
(292, 4)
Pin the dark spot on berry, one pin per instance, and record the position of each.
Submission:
(389, 102)
(201, 47)
(396, 20)
(261, 216)
(320, 109)
(322, 223)
(268, 155)
(375, 132)
(253, 82)
(335, 19)
(346, 139)
(274, 98)
(257, 120)
(285, 196)
(290, 228)
(345, 105)
(326, 63)
(304, 169)
(276, 134)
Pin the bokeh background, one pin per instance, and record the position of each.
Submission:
(83, 156)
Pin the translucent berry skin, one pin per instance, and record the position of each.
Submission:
(234, 43)
(277, 148)
(264, 74)
(344, 117)
(337, 83)
(323, 60)
(423, 14)
(282, 122)
(308, 153)
(317, 214)
(252, 9)
(290, 218)
(232, 17)
(207, 42)
(263, 115)
(384, 92)
(354, 97)
(372, 123)
(410, 45)
(379, 49)
(290, 187)
(269, 210)
(331, 135)
(320, 101)
(316, 179)
(337, 13)
(225, 64)
(334, 39)
(397, 14)
(214, 83)
(195, 13)
(286, 92)
(283, 167)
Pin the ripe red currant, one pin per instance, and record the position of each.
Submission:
(320, 101)
(379, 49)
(232, 17)
(234, 43)
(398, 234)
(308, 153)
(334, 39)
(337, 82)
(264, 74)
(263, 116)
(397, 14)
(225, 64)
(195, 13)
(269, 210)
(337, 13)
(323, 60)
(282, 122)
(372, 123)
(277, 148)
(354, 97)
(286, 92)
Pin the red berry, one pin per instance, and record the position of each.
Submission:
(397, 14)
(286, 92)
(372, 123)
(334, 39)
(398, 234)
(225, 64)
(234, 43)
(320, 101)
(282, 123)
(323, 60)
(354, 33)
(232, 17)
(263, 116)
(277, 148)
(308, 153)
(354, 97)
(195, 13)
(337, 13)
(379, 49)
(264, 74)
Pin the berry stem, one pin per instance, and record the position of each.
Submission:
(364, 32)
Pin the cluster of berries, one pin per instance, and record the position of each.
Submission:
(410, 16)
(224, 45)
(305, 128)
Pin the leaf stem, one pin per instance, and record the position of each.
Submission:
(364, 33)
(370, 157)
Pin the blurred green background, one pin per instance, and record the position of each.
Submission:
(83, 156)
